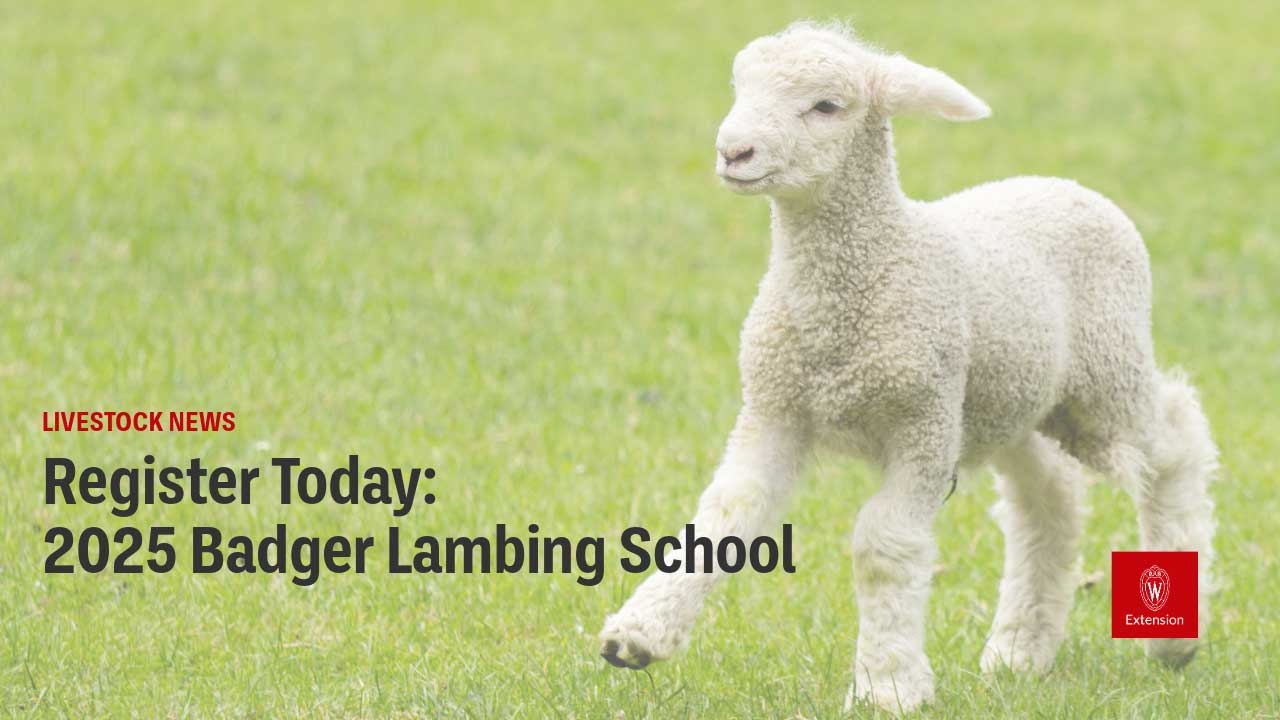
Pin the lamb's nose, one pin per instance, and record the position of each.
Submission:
(738, 154)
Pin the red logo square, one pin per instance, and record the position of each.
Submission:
(1154, 594)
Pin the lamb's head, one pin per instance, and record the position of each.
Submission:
(803, 97)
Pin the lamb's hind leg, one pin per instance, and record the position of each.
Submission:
(1164, 457)
(1175, 511)
(1040, 512)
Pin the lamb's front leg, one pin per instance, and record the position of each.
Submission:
(750, 487)
(894, 550)
(1041, 510)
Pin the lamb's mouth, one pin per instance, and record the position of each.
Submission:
(743, 183)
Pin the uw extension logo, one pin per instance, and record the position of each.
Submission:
(1154, 594)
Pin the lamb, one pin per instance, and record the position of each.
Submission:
(1008, 324)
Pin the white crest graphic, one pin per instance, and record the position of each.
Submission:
(1154, 587)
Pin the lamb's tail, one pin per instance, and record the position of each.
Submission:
(1175, 511)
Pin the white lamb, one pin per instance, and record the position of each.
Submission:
(1007, 324)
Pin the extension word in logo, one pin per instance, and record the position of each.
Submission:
(1154, 594)
(1153, 588)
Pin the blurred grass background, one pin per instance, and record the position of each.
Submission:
(486, 237)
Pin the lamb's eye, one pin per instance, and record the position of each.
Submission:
(826, 107)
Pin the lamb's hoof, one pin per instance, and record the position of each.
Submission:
(895, 694)
(623, 654)
(1174, 652)
(631, 640)
(901, 702)
(1025, 654)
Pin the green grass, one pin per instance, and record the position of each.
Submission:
(488, 239)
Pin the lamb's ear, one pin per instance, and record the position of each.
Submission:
(902, 86)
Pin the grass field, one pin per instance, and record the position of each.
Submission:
(488, 238)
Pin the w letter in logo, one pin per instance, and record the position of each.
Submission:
(1153, 588)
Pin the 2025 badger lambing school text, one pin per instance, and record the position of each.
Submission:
(304, 557)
